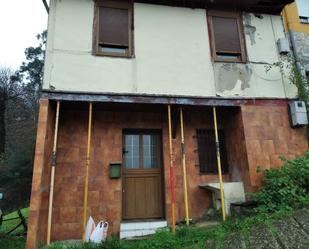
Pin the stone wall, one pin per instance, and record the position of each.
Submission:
(300, 42)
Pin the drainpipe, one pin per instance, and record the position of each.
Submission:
(46, 6)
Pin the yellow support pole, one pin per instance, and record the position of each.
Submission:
(52, 175)
(171, 168)
(219, 163)
(184, 166)
(87, 171)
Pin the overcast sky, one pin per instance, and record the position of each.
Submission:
(20, 22)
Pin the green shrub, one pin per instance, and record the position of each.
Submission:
(286, 187)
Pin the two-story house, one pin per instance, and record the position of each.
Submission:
(114, 69)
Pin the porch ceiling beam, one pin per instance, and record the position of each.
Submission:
(158, 99)
(256, 6)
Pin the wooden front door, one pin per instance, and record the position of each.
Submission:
(142, 175)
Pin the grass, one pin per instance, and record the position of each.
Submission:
(8, 225)
(185, 237)
(12, 241)
(190, 238)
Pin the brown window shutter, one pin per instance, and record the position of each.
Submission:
(113, 26)
(226, 34)
(207, 151)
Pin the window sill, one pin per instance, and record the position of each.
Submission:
(115, 55)
(230, 61)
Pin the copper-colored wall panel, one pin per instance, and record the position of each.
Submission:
(255, 135)
(269, 135)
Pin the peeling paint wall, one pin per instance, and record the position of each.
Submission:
(252, 79)
(249, 29)
(172, 55)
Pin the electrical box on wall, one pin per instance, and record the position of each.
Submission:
(298, 113)
(283, 45)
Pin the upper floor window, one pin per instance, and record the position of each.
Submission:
(113, 34)
(303, 10)
(226, 36)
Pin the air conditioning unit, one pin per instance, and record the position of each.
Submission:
(283, 45)
(298, 113)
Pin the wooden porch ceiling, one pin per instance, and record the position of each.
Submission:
(255, 6)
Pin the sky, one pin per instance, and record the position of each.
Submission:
(20, 22)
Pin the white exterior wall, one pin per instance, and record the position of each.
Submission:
(172, 55)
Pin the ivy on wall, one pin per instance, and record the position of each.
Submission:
(293, 72)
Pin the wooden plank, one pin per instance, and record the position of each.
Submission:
(160, 99)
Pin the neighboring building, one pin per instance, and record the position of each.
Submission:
(133, 58)
(296, 22)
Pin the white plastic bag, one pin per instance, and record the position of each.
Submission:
(98, 233)
(89, 229)
(105, 231)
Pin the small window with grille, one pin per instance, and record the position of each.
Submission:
(207, 151)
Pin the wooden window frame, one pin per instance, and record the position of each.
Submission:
(128, 5)
(225, 168)
(243, 51)
(140, 133)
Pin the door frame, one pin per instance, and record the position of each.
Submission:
(134, 131)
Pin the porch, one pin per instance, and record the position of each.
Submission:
(115, 123)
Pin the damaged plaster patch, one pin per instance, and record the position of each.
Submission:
(249, 29)
(232, 79)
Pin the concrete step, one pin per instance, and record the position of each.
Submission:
(143, 228)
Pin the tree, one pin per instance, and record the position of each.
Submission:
(31, 71)
(20, 92)
(9, 89)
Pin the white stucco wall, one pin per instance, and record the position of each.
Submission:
(172, 55)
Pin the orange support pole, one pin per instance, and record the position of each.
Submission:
(219, 164)
(52, 175)
(185, 185)
(87, 171)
